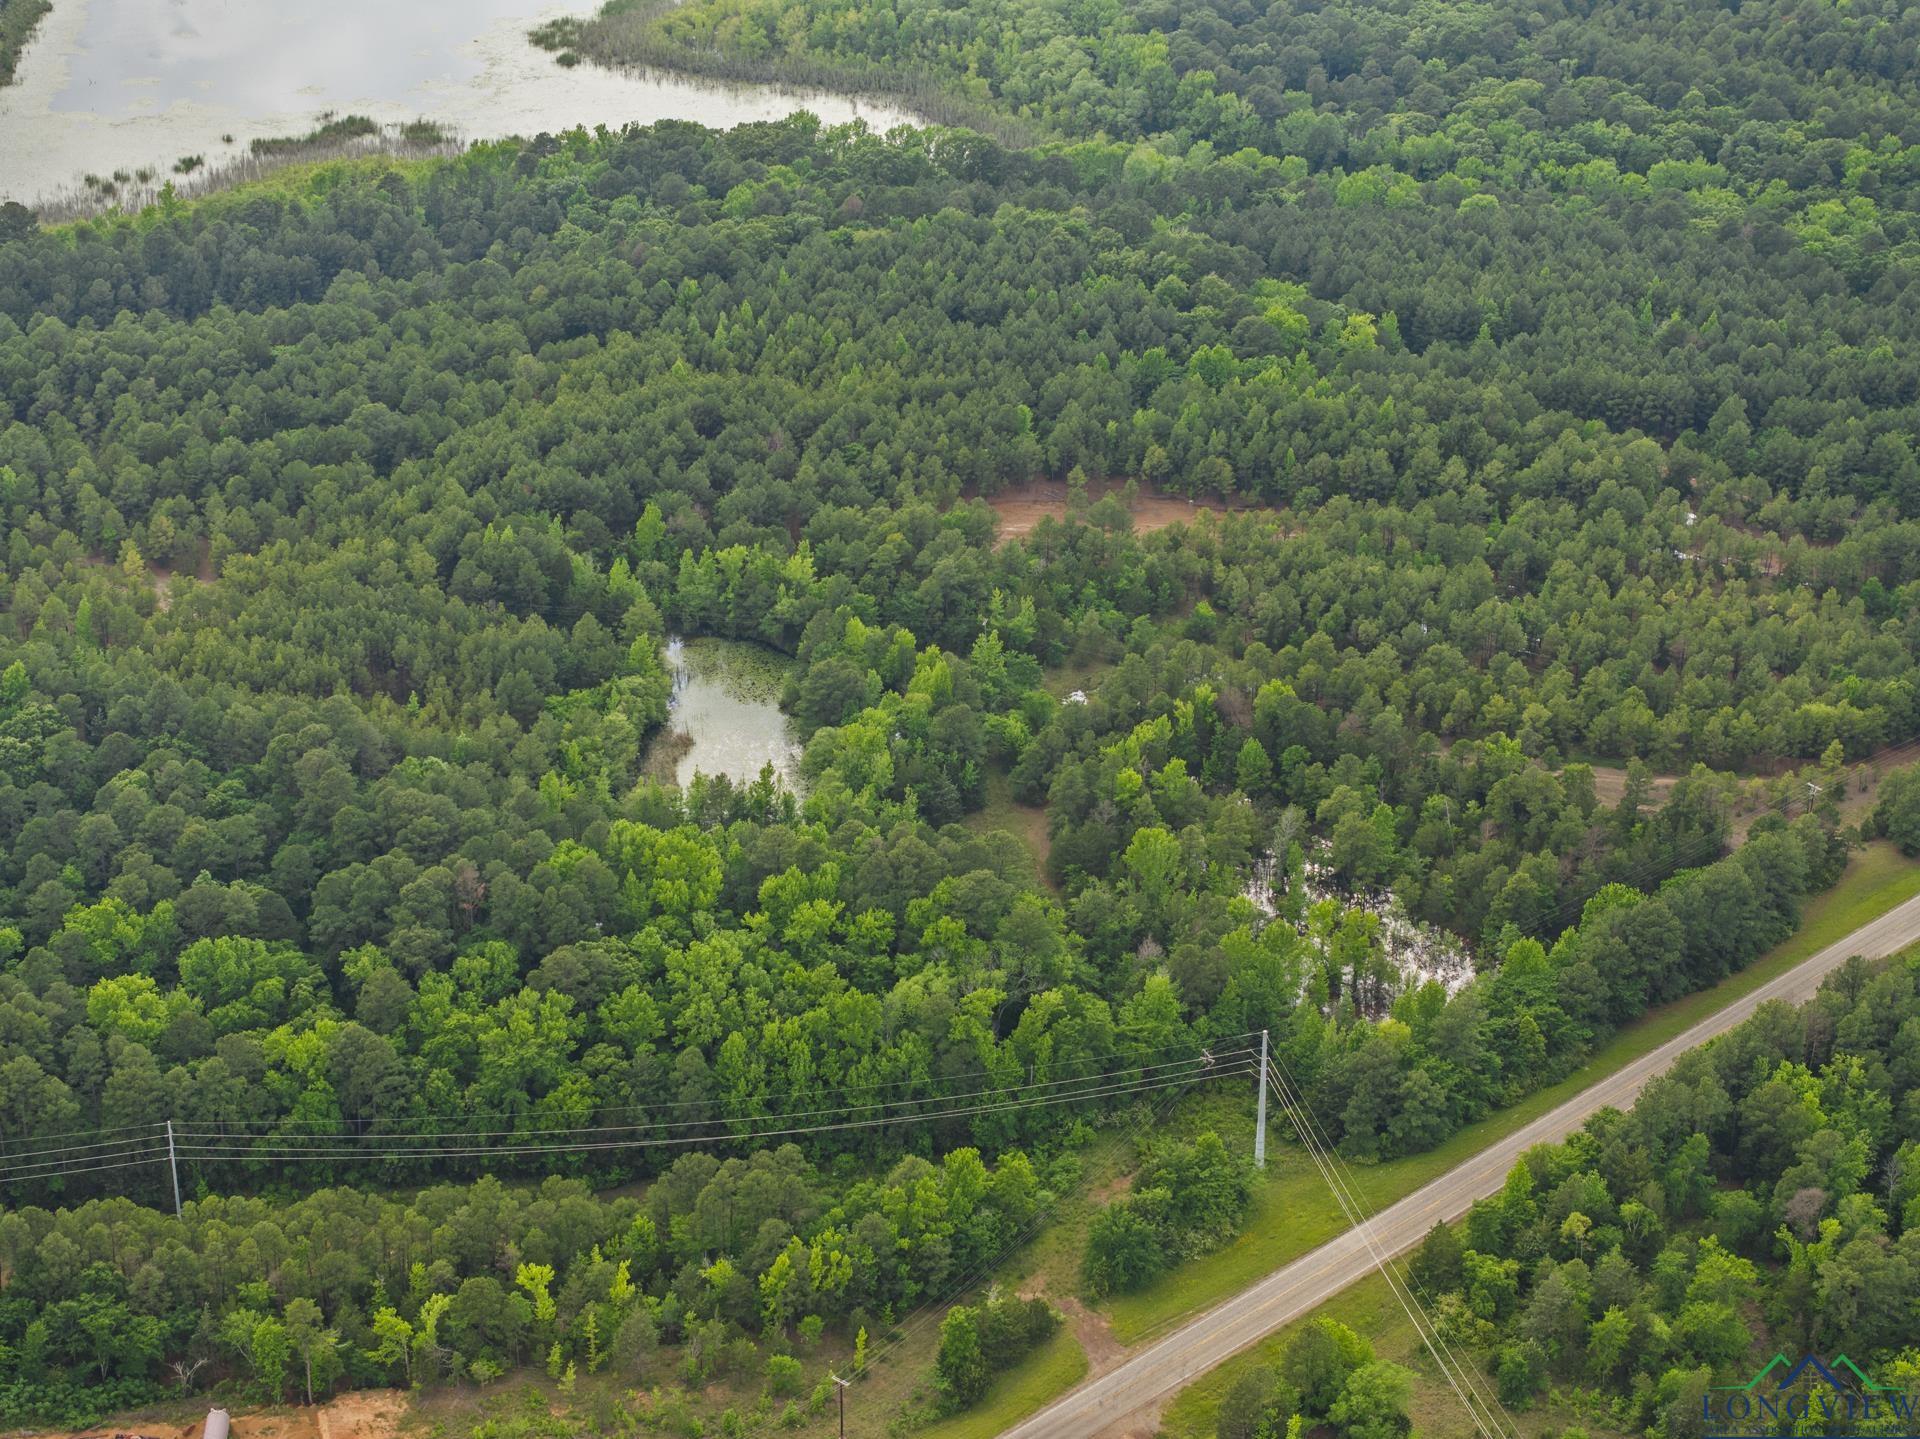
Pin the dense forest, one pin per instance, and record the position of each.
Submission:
(1567, 417)
(380, 776)
(1710, 196)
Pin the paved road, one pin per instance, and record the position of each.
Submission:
(1168, 1365)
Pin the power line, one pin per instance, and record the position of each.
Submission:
(51, 1162)
(74, 1148)
(76, 1133)
(1339, 1165)
(155, 1154)
(1103, 1065)
(274, 1130)
(277, 1153)
(682, 1124)
(928, 1311)
(156, 1151)
(1458, 1373)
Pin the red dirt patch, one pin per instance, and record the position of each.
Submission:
(1019, 510)
(361, 1414)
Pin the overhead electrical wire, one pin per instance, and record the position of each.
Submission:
(1061, 1071)
(1468, 1387)
(933, 1309)
(223, 1133)
(231, 1151)
(1436, 1345)
(154, 1153)
(210, 1146)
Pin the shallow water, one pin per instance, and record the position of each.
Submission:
(111, 85)
(725, 696)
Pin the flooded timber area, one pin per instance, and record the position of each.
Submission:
(127, 85)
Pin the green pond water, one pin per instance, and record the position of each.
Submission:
(726, 700)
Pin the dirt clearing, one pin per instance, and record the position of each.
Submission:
(1019, 510)
(1610, 785)
(361, 1414)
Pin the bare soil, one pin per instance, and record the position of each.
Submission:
(1019, 510)
(1095, 1334)
(161, 577)
(362, 1414)
(1862, 788)
(1610, 785)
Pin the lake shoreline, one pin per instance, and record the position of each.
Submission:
(153, 109)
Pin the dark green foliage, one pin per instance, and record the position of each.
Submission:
(1326, 1374)
(1319, 1360)
(346, 127)
(1258, 1406)
(352, 832)
(961, 1365)
(1896, 813)
(1517, 1371)
(1586, 1271)
(1123, 1250)
(1373, 1403)
(979, 1344)
(1435, 1267)
(1186, 1199)
(626, 1276)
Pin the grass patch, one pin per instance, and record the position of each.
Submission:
(1025, 822)
(329, 132)
(1083, 675)
(1292, 1211)
(1044, 1375)
(1367, 1308)
(1052, 1262)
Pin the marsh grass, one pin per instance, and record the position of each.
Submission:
(349, 137)
(18, 20)
(624, 35)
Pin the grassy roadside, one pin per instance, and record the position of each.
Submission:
(1292, 1212)
(1369, 1310)
(1050, 1370)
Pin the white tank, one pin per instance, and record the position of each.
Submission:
(218, 1424)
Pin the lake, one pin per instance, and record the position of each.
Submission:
(109, 85)
(726, 701)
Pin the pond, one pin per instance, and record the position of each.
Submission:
(725, 716)
(109, 85)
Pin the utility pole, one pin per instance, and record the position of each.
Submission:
(842, 1385)
(173, 1165)
(1260, 1113)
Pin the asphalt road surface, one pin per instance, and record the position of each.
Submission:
(1163, 1368)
